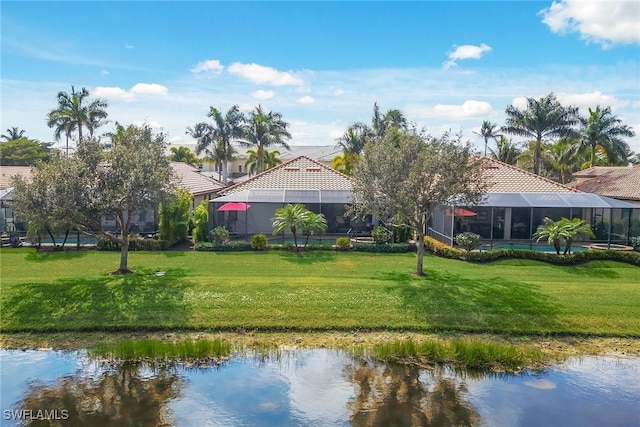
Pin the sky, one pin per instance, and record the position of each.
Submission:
(447, 65)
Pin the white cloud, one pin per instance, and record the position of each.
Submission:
(140, 89)
(591, 100)
(149, 89)
(211, 65)
(264, 75)
(151, 123)
(468, 109)
(263, 94)
(602, 22)
(306, 100)
(105, 72)
(338, 92)
(336, 133)
(466, 51)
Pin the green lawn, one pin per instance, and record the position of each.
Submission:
(314, 291)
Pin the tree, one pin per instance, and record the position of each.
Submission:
(345, 163)
(410, 173)
(506, 151)
(201, 222)
(315, 224)
(183, 155)
(136, 173)
(561, 157)
(75, 111)
(23, 152)
(292, 217)
(354, 138)
(488, 131)
(174, 216)
(542, 120)
(564, 230)
(215, 139)
(263, 130)
(270, 159)
(603, 131)
(13, 134)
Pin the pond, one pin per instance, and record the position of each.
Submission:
(316, 387)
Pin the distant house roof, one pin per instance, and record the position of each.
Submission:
(301, 173)
(321, 153)
(618, 182)
(190, 179)
(504, 178)
(8, 172)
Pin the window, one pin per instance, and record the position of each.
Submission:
(240, 168)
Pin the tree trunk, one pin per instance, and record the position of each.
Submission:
(66, 235)
(124, 249)
(225, 172)
(53, 239)
(260, 159)
(420, 252)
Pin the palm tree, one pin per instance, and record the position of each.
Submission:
(543, 119)
(73, 107)
(263, 130)
(603, 131)
(315, 224)
(13, 134)
(270, 159)
(393, 118)
(506, 151)
(292, 217)
(345, 163)
(354, 138)
(215, 140)
(183, 155)
(488, 131)
(564, 230)
(561, 157)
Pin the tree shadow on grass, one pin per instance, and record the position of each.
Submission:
(309, 257)
(44, 256)
(142, 300)
(450, 301)
(591, 269)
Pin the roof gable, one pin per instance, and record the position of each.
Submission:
(301, 173)
(190, 179)
(505, 178)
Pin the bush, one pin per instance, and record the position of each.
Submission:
(135, 244)
(343, 243)
(201, 222)
(389, 248)
(381, 235)
(227, 247)
(220, 235)
(552, 258)
(441, 249)
(635, 241)
(259, 242)
(320, 247)
(468, 241)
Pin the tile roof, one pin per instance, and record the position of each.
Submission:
(8, 172)
(190, 178)
(505, 178)
(618, 182)
(300, 173)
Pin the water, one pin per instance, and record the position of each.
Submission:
(541, 248)
(317, 387)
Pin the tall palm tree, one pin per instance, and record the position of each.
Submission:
(380, 123)
(13, 134)
(506, 151)
(488, 131)
(543, 119)
(353, 139)
(75, 107)
(215, 139)
(603, 131)
(263, 130)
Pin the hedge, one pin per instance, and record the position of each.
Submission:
(135, 244)
(387, 248)
(226, 247)
(552, 258)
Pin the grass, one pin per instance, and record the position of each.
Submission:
(314, 291)
(156, 349)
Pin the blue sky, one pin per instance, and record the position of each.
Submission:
(446, 65)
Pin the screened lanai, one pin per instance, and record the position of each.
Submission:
(515, 217)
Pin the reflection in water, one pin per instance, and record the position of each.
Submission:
(392, 394)
(314, 388)
(124, 396)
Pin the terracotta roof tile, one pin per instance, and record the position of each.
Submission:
(505, 178)
(190, 179)
(618, 182)
(300, 173)
(8, 172)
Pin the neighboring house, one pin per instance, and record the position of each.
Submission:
(323, 154)
(300, 180)
(617, 182)
(7, 219)
(517, 202)
(200, 186)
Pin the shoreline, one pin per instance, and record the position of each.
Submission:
(553, 348)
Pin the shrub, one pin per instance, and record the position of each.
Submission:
(390, 248)
(468, 241)
(135, 244)
(343, 243)
(220, 235)
(227, 247)
(259, 242)
(441, 249)
(635, 241)
(381, 235)
(201, 222)
(174, 217)
(320, 247)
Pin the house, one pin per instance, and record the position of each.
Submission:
(517, 202)
(299, 180)
(200, 186)
(7, 219)
(617, 182)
